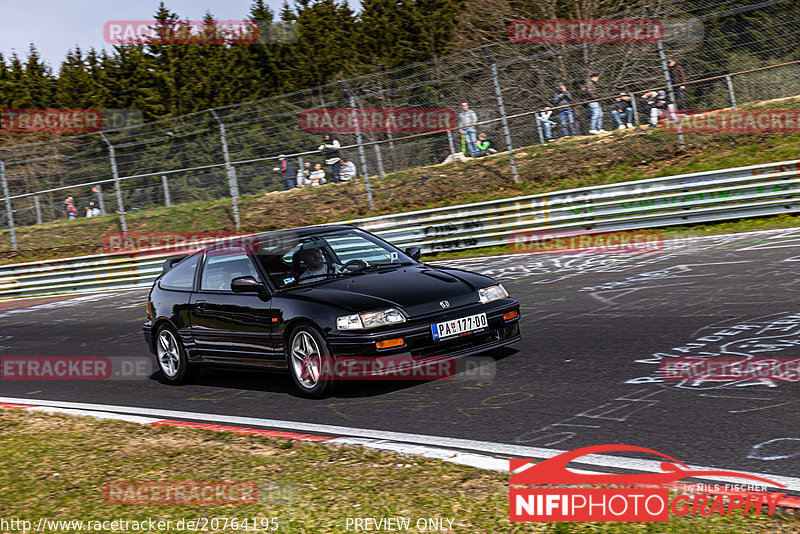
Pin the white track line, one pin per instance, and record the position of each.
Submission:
(387, 438)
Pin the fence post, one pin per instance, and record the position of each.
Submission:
(361, 153)
(102, 200)
(670, 89)
(452, 147)
(730, 90)
(381, 173)
(9, 211)
(115, 173)
(38, 209)
(502, 109)
(233, 184)
(635, 110)
(165, 185)
(539, 127)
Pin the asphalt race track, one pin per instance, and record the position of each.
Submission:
(585, 373)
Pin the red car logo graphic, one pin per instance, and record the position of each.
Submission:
(554, 470)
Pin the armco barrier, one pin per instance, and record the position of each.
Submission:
(672, 200)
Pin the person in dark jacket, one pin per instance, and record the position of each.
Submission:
(330, 150)
(622, 110)
(287, 172)
(93, 210)
(677, 76)
(565, 114)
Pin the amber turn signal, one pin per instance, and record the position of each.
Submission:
(513, 314)
(389, 343)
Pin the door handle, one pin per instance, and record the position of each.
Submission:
(200, 304)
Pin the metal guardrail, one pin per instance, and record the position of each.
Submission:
(672, 200)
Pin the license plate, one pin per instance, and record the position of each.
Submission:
(458, 327)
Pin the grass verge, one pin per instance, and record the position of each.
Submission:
(56, 466)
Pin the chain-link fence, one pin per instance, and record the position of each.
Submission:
(228, 152)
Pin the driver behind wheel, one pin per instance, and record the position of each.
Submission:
(316, 266)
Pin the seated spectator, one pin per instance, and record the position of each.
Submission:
(347, 171)
(547, 124)
(304, 174)
(656, 103)
(623, 111)
(484, 145)
(318, 175)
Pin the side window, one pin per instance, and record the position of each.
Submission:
(222, 266)
(181, 277)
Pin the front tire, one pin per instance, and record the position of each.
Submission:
(309, 361)
(171, 357)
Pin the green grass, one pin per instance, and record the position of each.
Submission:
(618, 157)
(56, 466)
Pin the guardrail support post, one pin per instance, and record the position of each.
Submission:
(38, 209)
(165, 185)
(115, 173)
(9, 211)
(502, 109)
(730, 90)
(233, 184)
(359, 141)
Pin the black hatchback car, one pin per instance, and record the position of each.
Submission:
(304, 300)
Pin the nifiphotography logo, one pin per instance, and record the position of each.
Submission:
(625, 497)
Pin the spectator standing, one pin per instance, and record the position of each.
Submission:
(622, 111)
(287, 172)
(330, 150)
(318, 175)
(467, 119)
(593, 91)
(348, 170)
(69, 206)
(547, 124)
(93, 210)
(565, 115)
(677, 76)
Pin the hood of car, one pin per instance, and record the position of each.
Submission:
(416, 289)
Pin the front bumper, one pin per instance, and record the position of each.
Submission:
(418, 337)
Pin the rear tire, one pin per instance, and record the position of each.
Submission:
(171, 357)
(309, 359)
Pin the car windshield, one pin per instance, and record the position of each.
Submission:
(294, 260)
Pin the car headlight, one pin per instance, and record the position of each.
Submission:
(488, 294)
(373, 319)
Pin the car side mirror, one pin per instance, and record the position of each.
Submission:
(247, 284)
(415, 253)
